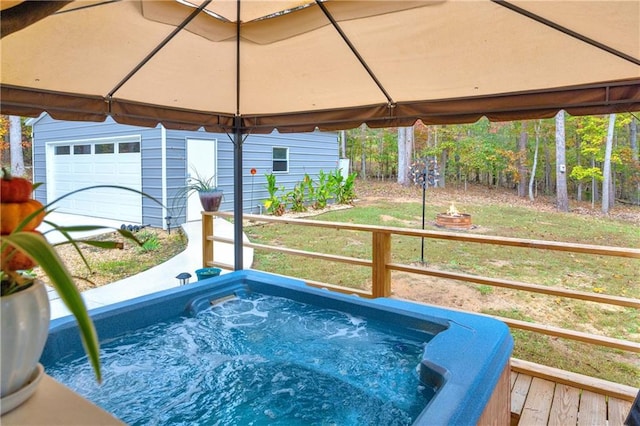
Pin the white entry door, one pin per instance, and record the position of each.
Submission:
(201, 157)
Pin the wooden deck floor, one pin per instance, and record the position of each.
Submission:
(537, 401)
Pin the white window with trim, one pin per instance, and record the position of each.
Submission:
(280, 159)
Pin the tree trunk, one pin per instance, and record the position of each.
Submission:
(536, 128)
(579, 163)
(363, 140)
(410, 133)
(522, 160)
(579, 191)
(595, 193)
(547, 169)
(562, 203)
(343, 144)
(405, 148)
(15, 142)
(633, 139)
(442, 168)
(607, 195)
(430, 131)
(380, 161)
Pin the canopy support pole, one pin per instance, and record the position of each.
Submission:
(237, 193)
(237, 160)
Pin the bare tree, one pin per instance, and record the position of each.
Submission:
(579, 164)
(363, 140)
(410, 145)
(536, 128)
(547, 169)
(15, 142)
(442, 168)
(343, 144)
(522, 160)
(633, 138)
(405, 149)
(402, 159)
(562, 200)
(607, 195)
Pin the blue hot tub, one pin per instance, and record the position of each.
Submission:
(457, 361)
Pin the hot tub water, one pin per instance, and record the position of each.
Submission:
(258, 360)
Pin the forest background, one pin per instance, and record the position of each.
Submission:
(563, 156)
(526, 156)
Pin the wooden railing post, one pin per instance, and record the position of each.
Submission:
(381, 257)
(207, 243)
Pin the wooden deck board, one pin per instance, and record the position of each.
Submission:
(519, 392)
(617, 411)
(540, 402)
(593, 409)
(564, 409)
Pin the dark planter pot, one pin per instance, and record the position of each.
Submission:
(205, 273)
(210, 200)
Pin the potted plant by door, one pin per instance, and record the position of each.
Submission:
(24, 303)
(209, 194)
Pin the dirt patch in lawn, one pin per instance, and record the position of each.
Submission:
(441, 292)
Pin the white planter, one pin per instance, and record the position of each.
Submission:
(24, 318)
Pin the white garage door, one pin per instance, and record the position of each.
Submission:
(80, 164)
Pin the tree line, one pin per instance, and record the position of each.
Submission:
(579, 155)
(591, 158)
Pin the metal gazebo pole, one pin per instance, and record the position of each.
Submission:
(237, 160)
(237, 193)
(424, 191)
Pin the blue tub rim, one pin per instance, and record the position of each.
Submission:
(460, 400)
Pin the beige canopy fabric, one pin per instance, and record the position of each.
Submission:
(251, 66)
(333, 64)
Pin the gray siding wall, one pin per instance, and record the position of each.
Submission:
(308, 154)
(151, 150)
(175, 175)
(47, 130)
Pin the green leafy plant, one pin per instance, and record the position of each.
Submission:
(149, 240)
(297, 197)
(311, 189)
(322, 191)
(200, 183)
(34, 245)
(343, 189)
(273, 204)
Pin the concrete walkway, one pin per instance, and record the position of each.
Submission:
(158, 278)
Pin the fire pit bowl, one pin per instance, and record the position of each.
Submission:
(453, 221)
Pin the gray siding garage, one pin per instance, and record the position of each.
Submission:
(157, 161)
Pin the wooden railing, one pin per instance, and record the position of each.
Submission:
(382, 266)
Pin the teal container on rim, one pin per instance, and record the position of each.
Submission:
(205, 273)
